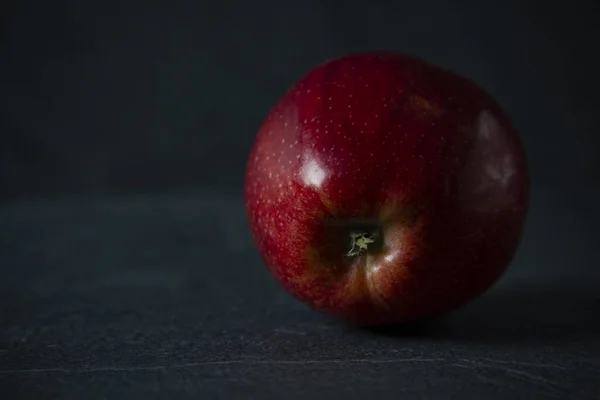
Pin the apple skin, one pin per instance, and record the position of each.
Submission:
(388, 144)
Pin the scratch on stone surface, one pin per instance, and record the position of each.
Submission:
(547, 384)
(464, 365)
(223, 362)
(526, 364)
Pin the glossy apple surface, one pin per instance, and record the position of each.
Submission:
(384, 189)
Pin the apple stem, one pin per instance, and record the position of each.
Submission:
(359, 243)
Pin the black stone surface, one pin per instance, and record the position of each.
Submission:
(165, 297)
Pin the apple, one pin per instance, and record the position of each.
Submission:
(383, 189)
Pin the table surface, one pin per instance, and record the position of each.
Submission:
(165, 296)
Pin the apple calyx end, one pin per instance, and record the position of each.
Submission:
(359, 243)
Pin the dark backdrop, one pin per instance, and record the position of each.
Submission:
(110, 96)
(126, 266)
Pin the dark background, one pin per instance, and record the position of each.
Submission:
(107, 96)
(127, 267)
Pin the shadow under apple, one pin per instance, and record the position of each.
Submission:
(522, 314)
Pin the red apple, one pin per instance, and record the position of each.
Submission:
(383, 189)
